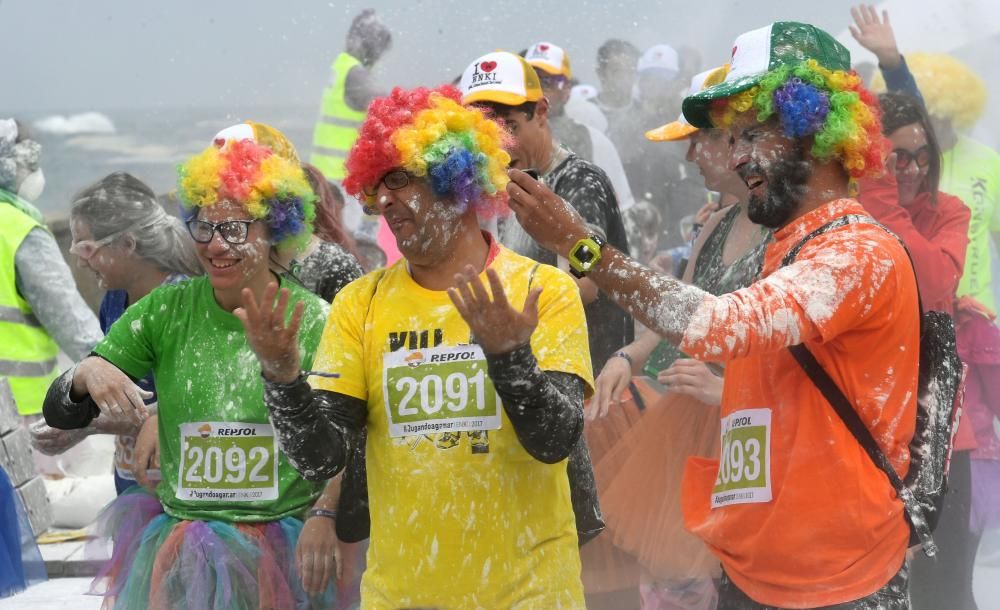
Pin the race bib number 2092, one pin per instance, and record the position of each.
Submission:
(228, 462)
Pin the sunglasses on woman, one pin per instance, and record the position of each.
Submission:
(87, 248)
(394, 180)
(904, 157)
(235, 232)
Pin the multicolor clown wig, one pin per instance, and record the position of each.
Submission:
(833, 107)
(950, 89)
(269, 186)
(429, 134)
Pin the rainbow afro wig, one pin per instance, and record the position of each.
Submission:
(831, 106)
(429, 134)
(950, 89)
(270, 187)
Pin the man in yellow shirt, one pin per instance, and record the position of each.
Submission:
(466, 364)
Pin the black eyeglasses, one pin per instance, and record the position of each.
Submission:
(233, 231)
(904, 157)
(394, 180)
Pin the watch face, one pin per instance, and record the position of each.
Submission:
(585, 256)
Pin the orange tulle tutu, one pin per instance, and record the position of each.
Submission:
(606, 568)
(639, 481)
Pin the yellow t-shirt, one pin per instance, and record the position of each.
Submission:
(460, 519)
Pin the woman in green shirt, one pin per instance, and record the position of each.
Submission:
(222, 529)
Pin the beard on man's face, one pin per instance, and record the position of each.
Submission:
(786, 186)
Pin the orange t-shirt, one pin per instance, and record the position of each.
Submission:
(798, 514)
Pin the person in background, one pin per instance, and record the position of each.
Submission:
(515, 96)
(351, 90)
(642, 502)
(329, 223)
(41, 310)
(954, 97)
(345, 101)
(658, 172)
(616, 65)
(132, 245)
(934, 226)
(551, 63)
(323, 266)
(642, 224)
(907, 198)
(581, 108)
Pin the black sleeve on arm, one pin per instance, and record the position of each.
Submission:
(545, 407)
(316, 428)
(61, 411)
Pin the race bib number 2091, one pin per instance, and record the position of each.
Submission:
(439, 389)
(745, 462)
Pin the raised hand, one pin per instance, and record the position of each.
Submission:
(875, 34)
(543, 214)
(497, 327)
(272, 340)
(694, 378)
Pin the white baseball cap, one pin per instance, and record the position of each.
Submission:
(549, 58)
(260, 133)
(660, 57)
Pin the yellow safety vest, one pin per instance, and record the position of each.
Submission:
(338, 124)
(27, 352)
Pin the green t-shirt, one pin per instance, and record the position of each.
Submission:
(971, 172)
(218, 455)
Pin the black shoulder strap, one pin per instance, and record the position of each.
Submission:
(853, 219)
(835, 396)
(831, 391)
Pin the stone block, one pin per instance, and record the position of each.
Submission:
(36, 504)
(15, 456)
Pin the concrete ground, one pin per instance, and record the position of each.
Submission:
(55, 594)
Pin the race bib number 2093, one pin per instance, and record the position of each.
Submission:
(745, 462)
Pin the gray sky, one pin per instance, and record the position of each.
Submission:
(66, 55)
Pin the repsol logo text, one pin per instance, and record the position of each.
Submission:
(236, 432)
(453, 357)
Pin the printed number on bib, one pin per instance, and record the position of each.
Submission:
(228, 462)
(439, 389)
(745, 462)
(124, 456)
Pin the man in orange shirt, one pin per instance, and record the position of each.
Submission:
(796, 511)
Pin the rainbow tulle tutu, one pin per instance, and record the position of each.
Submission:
(165, 563)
